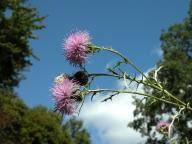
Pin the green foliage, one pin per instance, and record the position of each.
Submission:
(41, 126)
(176, 78)
(17, 23)
(77, 132)
(12, 110)
(21, 125)
(26, 126)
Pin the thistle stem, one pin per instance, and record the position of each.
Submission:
(127, 61)
(131, 92)
(123, 57)
(143, 82)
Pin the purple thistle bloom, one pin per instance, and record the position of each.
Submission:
(76, 47)
(162, 126)
(64, 93)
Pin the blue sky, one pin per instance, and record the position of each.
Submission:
(130, 26)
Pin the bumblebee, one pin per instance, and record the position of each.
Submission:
(81, 77)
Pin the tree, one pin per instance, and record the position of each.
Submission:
(12, 110)
(17, 23)
(22, 125)
(175, 75)
(41, 126)
(77, 132)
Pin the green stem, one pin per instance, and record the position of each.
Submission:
(130, 92)
(144, 83)
(137, 69)
(120, 77)
(169, 94)
(103, 74)
(122, 56)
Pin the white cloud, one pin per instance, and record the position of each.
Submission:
(110, 118)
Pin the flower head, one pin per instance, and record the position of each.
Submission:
(64, 96)
(163, 126)
(76, 47)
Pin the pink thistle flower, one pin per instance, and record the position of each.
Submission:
(64, 96)
(162, 126)
(76, 47)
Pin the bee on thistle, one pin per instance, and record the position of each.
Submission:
(81, 77)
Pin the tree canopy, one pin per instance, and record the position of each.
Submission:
(22, 125)
(18, 21)
(175, 76)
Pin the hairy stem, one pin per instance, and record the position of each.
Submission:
(127, 61)
(131, 92)
(142, 82)
(123, 57)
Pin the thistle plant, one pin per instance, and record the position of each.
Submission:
(72, 89)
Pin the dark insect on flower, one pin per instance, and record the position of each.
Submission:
(81, 77)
